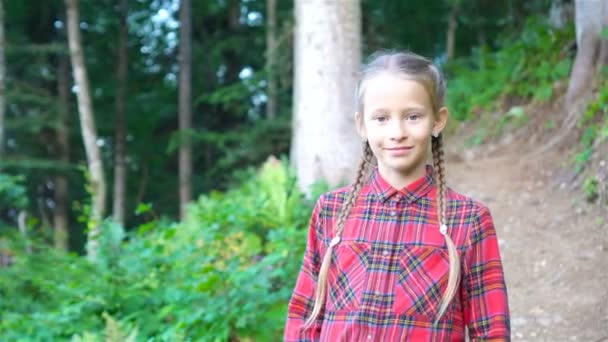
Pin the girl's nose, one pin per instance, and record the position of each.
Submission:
(398, 130)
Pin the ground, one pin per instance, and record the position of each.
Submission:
(553, 243)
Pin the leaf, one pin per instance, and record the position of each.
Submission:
(143, 208)
(516, 111)
(562, 69)
(604, 33)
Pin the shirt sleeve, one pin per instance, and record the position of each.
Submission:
(302, 300)
(485, 302)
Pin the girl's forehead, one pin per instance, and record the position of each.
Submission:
(385, 89)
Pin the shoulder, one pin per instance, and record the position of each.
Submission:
(475, 212)
(339, 192)
(326, 209)
(466, 202)
(331, 201)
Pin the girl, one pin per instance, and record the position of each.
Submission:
(398, 255)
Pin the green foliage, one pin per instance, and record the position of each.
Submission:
(594, 122)
(225, 273)
(524, 69)
(114, 332)
(590, 188)
(246, 145)
(513, 118)
(12, 191)
(582, 157)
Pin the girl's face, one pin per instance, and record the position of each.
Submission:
(398, 121)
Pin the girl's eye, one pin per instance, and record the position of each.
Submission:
(414, 117)
(381, 118)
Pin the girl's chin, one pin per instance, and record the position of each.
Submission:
(401, 164)
(400, 167)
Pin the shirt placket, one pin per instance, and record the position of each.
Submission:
(393, 207)
(395, 210)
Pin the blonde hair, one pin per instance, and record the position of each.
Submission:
(422, 70)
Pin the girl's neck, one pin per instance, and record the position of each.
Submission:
(400, 179)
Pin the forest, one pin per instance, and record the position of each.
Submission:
(160, 159)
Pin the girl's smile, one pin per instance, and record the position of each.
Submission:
(397, 122)
(400, 151)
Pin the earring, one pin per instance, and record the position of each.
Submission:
(435, 135)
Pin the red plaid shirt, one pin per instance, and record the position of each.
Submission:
(390, 270)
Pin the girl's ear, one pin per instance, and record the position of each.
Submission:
(360, 126)
(441, 120)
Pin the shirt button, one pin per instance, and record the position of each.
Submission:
(385, 253)
(369, 337)
(393, 213)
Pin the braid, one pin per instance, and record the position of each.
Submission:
(363, 171)
(437, 150)
(454, 273)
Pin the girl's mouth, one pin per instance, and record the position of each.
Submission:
(400, 150)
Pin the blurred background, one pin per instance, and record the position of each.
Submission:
(159, 159)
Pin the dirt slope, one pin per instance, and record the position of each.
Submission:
(554, 245)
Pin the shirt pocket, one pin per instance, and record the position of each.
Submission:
(347, 276)
(421, 281)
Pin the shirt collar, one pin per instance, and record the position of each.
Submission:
(410, 193)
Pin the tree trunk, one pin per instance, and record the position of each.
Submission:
(271, 57)
(557, 17)
(234, 14)
(327, 56)
(482, 40)
(143, 182)
(451, 33)
(120, 166)
(480, 23)
(2, 79)
(591, 54)
(87, 126)
(232, 56)
(185, 106)
(60, 214)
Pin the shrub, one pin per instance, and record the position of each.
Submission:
(225, 273)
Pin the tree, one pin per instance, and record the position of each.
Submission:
(325, 144)
(451, 31)
(60, 214)
(2, 77)
(271, 58)
(120, 166)
(88, 130)
(591, 17)
(185, 106)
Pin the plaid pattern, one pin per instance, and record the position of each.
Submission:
(390, 270)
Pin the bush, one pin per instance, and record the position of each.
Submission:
(525, 68)
(225, 273)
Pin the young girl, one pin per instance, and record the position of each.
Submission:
(398, 255)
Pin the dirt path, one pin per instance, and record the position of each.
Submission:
(554, 246)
